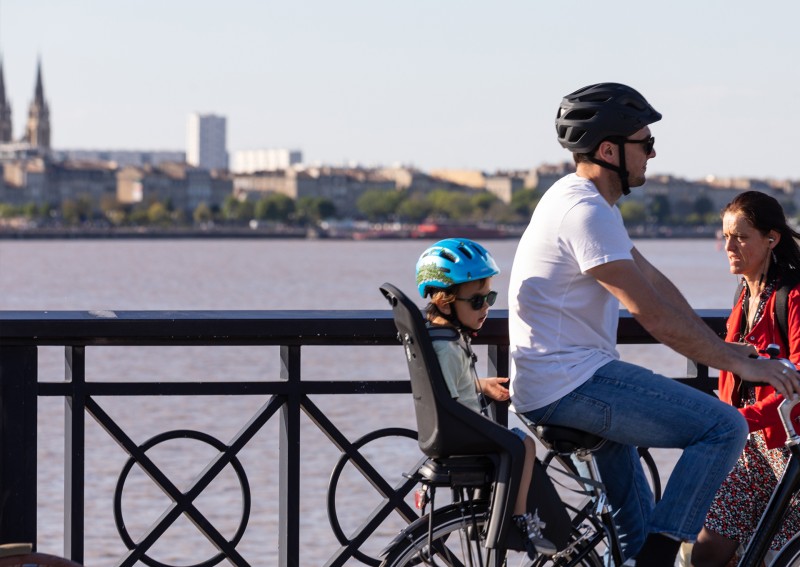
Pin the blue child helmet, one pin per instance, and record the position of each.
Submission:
(451, 262)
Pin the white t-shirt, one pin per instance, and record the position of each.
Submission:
(562, 322)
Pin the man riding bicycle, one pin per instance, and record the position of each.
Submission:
(574, 265)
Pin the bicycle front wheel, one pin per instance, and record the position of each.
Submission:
(456, 541)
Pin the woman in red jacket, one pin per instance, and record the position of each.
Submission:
(762, 250)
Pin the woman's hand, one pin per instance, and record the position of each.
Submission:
(494, 388)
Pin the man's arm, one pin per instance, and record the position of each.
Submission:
(665, 288)
(663, 311)
(672, 295)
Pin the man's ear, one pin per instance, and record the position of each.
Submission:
(606, 150)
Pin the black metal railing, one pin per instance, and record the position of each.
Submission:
(22, 333)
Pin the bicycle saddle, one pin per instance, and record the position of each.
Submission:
(568, 440)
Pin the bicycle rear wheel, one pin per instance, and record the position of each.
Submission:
(454, 538)
(455, 541)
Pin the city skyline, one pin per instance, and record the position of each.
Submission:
(436, 86)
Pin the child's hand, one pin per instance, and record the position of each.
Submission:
(493, 388)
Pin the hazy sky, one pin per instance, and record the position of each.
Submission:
(431, 83)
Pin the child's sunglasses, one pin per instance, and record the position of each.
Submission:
(477, 301)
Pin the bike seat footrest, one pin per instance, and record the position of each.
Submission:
(457, 471)
(568, 440)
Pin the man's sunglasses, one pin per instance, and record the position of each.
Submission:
(647, 143)
(477, 301)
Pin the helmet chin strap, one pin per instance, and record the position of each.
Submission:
(621, 170)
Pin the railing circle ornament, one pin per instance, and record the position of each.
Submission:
(162, 438)
(334, 481)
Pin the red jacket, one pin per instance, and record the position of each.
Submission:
(764, 413)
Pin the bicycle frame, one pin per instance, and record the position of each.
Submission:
(582, 462)
(773, 515)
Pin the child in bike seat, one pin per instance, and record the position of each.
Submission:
(456, 274)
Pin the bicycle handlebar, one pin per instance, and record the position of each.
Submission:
(785, 411)
(787, 405)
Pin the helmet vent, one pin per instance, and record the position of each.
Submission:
(447, 255)
(466, 251)
(576, 135)
(596, 97)
(580, 114)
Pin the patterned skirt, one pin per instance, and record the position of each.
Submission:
(744, 494)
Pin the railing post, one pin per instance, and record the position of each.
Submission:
(498, 366)
(289, 482)
(697, 377)
(18, 403)
(74, 450)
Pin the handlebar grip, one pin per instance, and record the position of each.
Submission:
(785, 411)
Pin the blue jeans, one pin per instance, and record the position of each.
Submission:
(633, 407)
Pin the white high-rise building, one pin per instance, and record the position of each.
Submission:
(205, 141)
(250, 161)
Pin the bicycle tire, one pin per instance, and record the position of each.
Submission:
(450, 538)
(789, 555)
(36, 560)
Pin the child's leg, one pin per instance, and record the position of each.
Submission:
(527, 475)
(528, 521)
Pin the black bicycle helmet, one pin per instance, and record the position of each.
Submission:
(598, 112)
(604, 111)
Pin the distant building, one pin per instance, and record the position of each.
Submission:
(341, 186)
(35, 141)
(37, 129)
(504, 186)
(468, 177)
(251, 161)
(42, 182)
(184, 186)
(206, 145)
(543, 177)
(121, 158)
(25, 181)
(6, 132)
(71, 181)
(13, 151)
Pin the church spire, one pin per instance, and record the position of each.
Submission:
(39, 94)
(37, 130)
(5, 111)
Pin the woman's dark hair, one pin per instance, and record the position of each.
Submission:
(765, 213)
